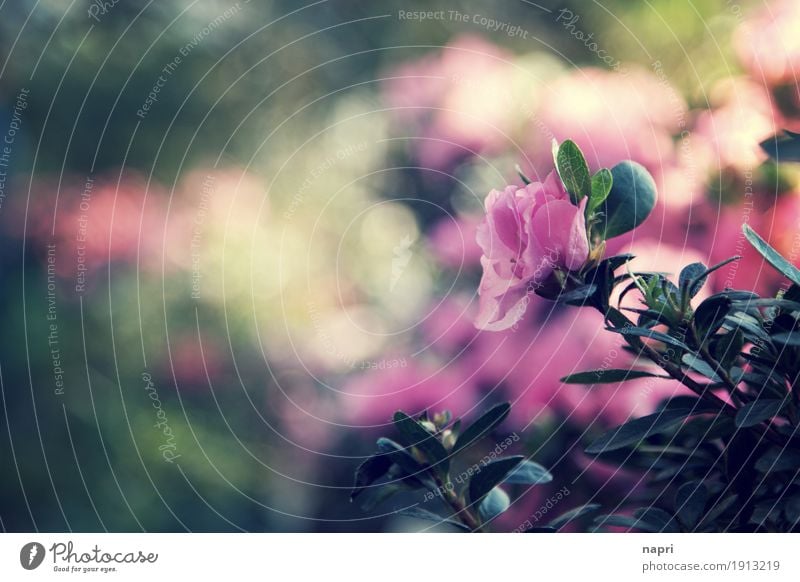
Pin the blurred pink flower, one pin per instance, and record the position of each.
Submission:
(768, 43)
(727, 136)
(455, 101)
(452, 242)
(373, 396)
(528, 231)
(611, 116)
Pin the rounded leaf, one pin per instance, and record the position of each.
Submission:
(632, 198)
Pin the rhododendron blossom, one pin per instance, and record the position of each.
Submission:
(528, 232)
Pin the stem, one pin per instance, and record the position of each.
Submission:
(616, 316)
(461, 511)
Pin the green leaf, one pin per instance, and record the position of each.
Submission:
(692, 278)
(424, 514)
(417, 436)
(402, 458)
(623, 521)
(788, 338)
(783, 147)
(372, 469)
(609, 376)
(482, 427)
(573, 514)
(528, 473)
(657, 519)
(577, 297)
(631, 200)
(573, 171)
(495, 503)
(634, 431)
(711, 314)
(651, 334)
(778, 460)
(690, 503)
(601, 187)
(772, 256)
(716, 511)
(758, 411)
(491, 475)
(700, 366)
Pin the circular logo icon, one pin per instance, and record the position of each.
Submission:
(31, 555)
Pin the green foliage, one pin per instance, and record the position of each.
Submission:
(423, 459)
(706, 447)
(630, 201)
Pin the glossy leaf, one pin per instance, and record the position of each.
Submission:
(772, 256)
(528, 473)
(650, 334)
(609, 376)
(634, 431)
(418, 436)
(495, 503)
(758, 411)
(690, 503)
(574, 171)
(424, 514)
(491, 475)
(372, 469)
(482, 427)
(630, 201)
(601, 187)
(574, 514)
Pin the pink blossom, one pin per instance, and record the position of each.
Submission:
(456, 101)
(727, 136)
(611, 116)
(527, 233)
(768, 43)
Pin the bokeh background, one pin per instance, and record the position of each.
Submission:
(236, 236)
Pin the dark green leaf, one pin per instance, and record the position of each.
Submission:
(772, 256)
(495, 503)
(401, 457)
(651, 334)
(788, 338)
(783, 147)
(632, 198)
(372, 469)
(716, 511)
(577, 297)
(758, 411)
(491, 475)
(609, 376)
(424, 514)
(573, 514)
(374, 496)
(711, 314)
(700, 366)
(657, 519)
(692, 278)
(528, 473)
(623, 521)
(573, 171)
(634, 431)
(482, 427)
(690, 503)
(418, 436)
(778, 460)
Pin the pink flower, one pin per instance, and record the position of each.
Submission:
(527, 233)
(768, 44)
(611, 116)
